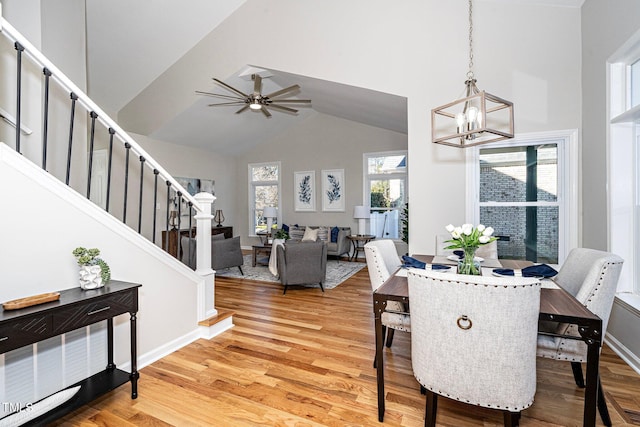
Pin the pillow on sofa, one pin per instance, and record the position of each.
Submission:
(310, 235)
(334, 234)
(296, 233)
(285, 227)
(323, 234)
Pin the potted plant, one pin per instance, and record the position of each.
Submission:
(281, 234)
(94, 271)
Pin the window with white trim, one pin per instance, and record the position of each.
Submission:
(521, 189)
(385, 182)
(624, 165)
(264, 190)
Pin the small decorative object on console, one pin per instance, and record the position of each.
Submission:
(94, 272)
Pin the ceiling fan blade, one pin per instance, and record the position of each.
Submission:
(283, 91)
(218, 95)
(283, 109)
(244, 95)
(228, 103)
(242, 109)
(302, 101)
(257, 85)
(265, 112)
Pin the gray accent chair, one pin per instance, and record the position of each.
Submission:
(302, 263)
(591, 276)
(382, 261)
(225, 253)
(473, 339)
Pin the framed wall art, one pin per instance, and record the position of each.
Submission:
(304, 191)
(333, 190)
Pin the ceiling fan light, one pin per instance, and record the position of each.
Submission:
(255, 105)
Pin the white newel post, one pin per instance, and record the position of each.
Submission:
(206, 292)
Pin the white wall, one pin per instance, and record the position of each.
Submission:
(319, 142)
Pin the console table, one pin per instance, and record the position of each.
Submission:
(173, 239)
(75, 309)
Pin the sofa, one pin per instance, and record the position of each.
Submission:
(225, 252)
(335, 237)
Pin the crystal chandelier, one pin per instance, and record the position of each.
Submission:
(477, 118)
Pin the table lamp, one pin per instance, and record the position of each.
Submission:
(269, 212)
(218, 217)
(361, 213)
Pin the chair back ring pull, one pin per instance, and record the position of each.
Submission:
(464, 322)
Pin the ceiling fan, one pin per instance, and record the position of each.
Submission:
(256, 100)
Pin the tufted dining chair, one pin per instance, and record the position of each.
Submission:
(473, 339)
(382, 261)
(490, 250)
(591, 276)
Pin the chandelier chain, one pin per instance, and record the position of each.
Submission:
(470, 72)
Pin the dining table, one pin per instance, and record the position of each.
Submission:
(556, 305)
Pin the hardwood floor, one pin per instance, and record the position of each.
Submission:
(305, 359)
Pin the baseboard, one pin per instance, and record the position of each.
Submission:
(630, 359)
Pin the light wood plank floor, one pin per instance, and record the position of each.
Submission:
(305, 359)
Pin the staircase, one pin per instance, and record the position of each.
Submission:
(78, 179)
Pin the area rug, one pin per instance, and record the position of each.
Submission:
(337, 272)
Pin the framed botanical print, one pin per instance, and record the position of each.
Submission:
(333, 190)
(304, 191)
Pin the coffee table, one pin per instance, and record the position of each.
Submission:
(260, 249)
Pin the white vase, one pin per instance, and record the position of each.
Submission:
(90, 277)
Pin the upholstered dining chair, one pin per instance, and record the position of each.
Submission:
(591, 276)
(490, 250)
(473, 339)
(382, 261)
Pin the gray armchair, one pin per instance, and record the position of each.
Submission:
(302, 263)
(225, 253)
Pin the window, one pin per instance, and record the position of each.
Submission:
(521, 189)
(385, 184)
(624, 166)
(264, 190)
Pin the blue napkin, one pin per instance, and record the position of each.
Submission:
(460, 254)
(542, 270)
(412, 262)
(440, 267)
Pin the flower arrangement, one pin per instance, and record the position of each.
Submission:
(469, 239)
(89, 257)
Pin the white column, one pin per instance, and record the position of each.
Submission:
(206, 291)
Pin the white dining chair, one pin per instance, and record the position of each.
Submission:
(382, 261)
(591, 276)
(473, 339)
(490, 250)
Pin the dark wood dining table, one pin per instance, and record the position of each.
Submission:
(556, 305)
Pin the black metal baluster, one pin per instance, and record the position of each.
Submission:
(190, 234)
(127, 146)
(92, 135)
(19, 50)
(166, 243)
(74, 98)
(142, 160)
(45, 124)
(179, 198)
(112, 131)
(155, 203)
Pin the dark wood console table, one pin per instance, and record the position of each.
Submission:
(75, 309)
(173, 237)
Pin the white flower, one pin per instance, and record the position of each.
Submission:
(467, 229)
(488, 231)
(481, 228)
(483, 239)
(450, 228)
(455, 234)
